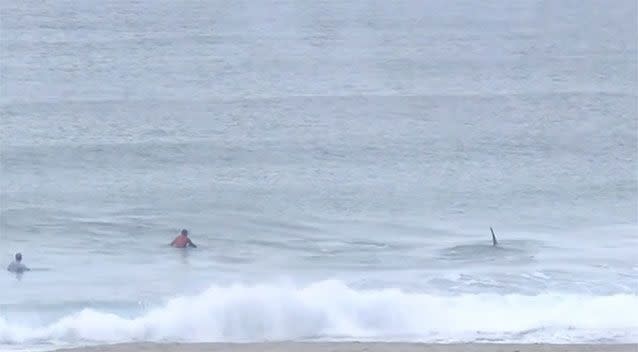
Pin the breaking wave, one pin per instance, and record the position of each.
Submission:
(330, 310)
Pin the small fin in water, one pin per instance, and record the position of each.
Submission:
(494, 241)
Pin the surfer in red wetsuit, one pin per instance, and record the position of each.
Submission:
(182, 241)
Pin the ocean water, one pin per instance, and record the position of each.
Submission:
(338, 164)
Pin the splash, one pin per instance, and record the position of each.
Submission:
(331, 310)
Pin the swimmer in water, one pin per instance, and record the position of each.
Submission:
(16, 266)
(182, 241)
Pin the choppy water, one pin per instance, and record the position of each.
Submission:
(338, 164)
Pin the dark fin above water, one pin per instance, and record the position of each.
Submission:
(494, 241)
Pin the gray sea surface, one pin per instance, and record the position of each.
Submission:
(337, 163)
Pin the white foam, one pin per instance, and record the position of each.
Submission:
(330, 309)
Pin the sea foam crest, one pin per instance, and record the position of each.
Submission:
(332, 310)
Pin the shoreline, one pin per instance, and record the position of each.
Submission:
(353, 347)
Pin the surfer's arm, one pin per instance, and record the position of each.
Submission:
(190, 243)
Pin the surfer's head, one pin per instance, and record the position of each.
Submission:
(185, 232)
(18, 257)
